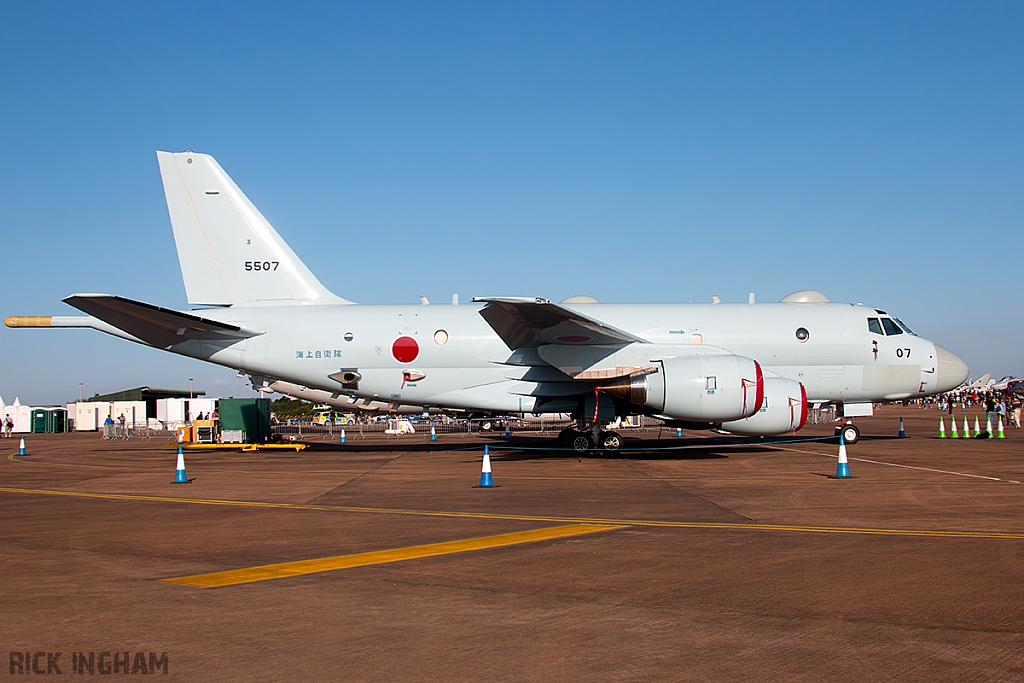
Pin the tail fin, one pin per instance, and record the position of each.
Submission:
(228, 252)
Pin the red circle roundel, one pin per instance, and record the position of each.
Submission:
(405, 349)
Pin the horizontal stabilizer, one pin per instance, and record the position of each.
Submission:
(529, 322)
(156, 326)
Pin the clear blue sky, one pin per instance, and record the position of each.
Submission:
(630, 151)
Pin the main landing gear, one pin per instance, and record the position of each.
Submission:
(849, 432)
(589, 439)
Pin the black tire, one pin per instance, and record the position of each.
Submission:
(610, 441)
(850, 433)
(581, 443)
(565, 438)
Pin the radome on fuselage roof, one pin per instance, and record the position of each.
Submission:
(743, 368)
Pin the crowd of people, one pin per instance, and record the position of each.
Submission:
(1005, 406)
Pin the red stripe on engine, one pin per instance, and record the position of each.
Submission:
(803, 407)
(759, 398)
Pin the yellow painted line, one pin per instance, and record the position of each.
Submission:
(282, 570)
(938, 533)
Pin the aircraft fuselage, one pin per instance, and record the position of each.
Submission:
(839, 361)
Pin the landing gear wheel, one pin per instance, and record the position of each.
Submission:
(850, 433)
(581, 443)
(610, 441)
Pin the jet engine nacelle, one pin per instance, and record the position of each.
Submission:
(784, 410)
(697, 388)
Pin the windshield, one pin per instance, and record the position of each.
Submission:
(891, 328)
(875, 326)
(903, 325)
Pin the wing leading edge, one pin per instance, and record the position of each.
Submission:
(523, 322)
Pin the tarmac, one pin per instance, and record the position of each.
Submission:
(694, 558)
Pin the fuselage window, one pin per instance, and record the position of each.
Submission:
(891, 328)
(874, 326)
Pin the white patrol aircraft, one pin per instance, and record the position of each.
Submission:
(740, 368)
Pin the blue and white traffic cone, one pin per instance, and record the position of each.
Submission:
(21, 451)
(843, 467)
(508, 431)
(999, 433)
(942, 429)
(433, 432)
(679, 431)
(342, 439)
(486, 480)
(179, 472)
(902, 434)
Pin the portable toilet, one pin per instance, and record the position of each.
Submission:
(21, 416)
(38, 421)
(56, 420)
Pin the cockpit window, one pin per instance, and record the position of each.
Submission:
(904, 326)
(891, 328)
(874, 326)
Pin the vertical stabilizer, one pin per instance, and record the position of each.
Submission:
(228, 252)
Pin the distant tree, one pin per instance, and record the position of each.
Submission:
(288, 407)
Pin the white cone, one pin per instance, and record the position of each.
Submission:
(842, 466)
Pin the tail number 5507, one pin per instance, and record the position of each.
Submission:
(261, 265)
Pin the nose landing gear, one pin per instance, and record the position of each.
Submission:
(849, 432)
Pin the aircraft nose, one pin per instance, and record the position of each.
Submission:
(951, 370)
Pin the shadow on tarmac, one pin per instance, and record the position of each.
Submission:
(520, 448)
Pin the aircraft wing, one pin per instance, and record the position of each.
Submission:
(156, 326)
(526, 322)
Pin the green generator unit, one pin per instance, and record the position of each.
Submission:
(244, 420)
